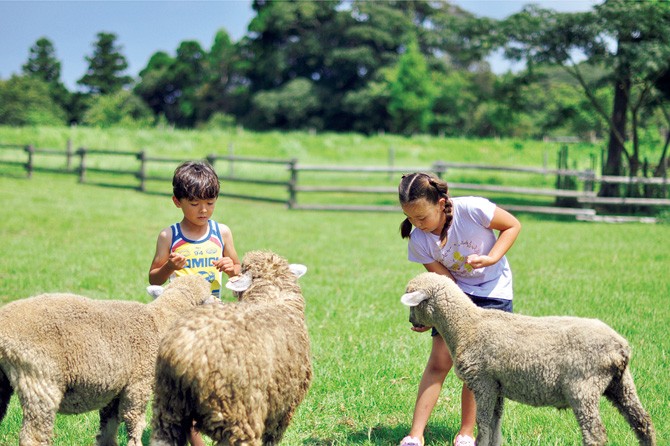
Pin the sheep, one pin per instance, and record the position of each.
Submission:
(239, 369)
(64, 353)
(542, 361)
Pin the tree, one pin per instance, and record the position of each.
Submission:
(26, 100)
(156, 86)
(223, 86)
(42, 62)
(123, 109)
(291, 106)
(412, 92)
(345, 47)
(105, 67)
(630, 39)
(171, 85)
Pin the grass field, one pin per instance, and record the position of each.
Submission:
(62, 236)
(333, 148)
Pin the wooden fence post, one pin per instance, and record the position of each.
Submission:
(391, 162)
(292, 183)
(68, 155)
(439, 168)
(589, 180)
(142, 173)
(665, 179)
(29, 165)
(231, 152)
(211, 159)
(82, 164)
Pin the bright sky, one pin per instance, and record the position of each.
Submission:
(144, 27)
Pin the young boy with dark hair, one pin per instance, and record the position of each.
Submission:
(197, 244)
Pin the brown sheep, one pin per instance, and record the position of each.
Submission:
(542, 361)
(239, 369)
(69, 354)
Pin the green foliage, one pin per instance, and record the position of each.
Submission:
(171, 86)
(105, 67)
(220, 121)
(367, 362)
(406, 67)
(122, 108)
(27, 101)
(412, 92)
(42, 62)
(454, 103)
(291, 106)
(631, 40)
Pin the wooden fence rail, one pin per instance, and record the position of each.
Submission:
(295, 181)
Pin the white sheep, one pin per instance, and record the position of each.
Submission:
(69, 354)
(239, 369)
(542, 361)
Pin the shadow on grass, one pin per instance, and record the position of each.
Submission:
(383, 436)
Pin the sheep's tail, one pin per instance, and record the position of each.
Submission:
(622, 393)
(6, 392)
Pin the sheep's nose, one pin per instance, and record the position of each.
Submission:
(415, 325)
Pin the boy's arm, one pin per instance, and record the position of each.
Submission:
(164, 263)
(229, 263)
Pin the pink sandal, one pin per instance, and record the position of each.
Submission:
(411, 441)
(464, 440)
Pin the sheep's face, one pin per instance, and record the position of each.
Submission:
(268, 268)
(419, 296)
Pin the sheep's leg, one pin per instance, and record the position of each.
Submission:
(487, 396)
(170, 424)
(587, 412)
(40, 401)
(109, 424)
(132, 409)
(497, 421)
(6, 391)
(622, 393)
(276, 426)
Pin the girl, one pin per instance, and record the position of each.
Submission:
(454, 237)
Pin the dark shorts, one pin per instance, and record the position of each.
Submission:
(490, 303)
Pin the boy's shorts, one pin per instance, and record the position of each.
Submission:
(491, 303)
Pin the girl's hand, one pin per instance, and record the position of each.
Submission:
(477, 261)
(225, 265)
(176, 261)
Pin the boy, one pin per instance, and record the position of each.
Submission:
(196, 245)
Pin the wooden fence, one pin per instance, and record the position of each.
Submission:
(320, 187)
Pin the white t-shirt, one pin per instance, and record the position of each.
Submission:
(468, 234)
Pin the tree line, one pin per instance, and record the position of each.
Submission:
(407, 67)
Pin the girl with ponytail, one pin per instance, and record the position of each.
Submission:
(454, 237)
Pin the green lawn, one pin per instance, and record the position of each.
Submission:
(59, 235)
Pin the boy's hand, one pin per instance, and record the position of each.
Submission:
(176, 261)
(225, 265)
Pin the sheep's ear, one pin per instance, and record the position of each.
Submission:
(155, 290)
(239, 283)
(298, 269)
(413, 299)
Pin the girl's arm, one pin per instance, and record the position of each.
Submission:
(437, 267)
(509, 228)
